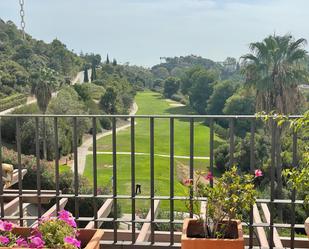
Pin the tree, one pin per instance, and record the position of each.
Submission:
(86, 76)
(42, 89)
(93, 74)
(240, 103)
(201, 89)
(114, 62)
(108, 101)
(275, 69)
(107, 59)
(171, 86)
(221, 92)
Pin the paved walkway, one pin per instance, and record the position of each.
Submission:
(82, 150)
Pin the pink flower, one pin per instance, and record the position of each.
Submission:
(36, 242)
(1, 225)
(67, 217)
(258, 173)
(209, 176)
(72, 241)
(21, 242)
(4, 240)
(188, 182)
(8, 226)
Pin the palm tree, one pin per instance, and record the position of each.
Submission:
(42, 88)
(274, 69)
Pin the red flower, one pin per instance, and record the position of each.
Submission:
(188, 182)
(258, 173)
(209, 176)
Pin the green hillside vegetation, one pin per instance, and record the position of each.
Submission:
(21, 60)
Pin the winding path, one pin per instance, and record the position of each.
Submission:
(79, 78)
(82, 150)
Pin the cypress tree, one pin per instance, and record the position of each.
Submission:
(93, 73)
(114, 62)
(107, 59)
(86, 77)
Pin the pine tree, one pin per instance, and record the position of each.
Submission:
(107, 59)
(114, 62)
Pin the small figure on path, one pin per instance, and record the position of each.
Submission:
(138, 189)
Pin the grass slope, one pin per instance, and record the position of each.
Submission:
(152, 103)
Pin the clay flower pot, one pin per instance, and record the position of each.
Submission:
(307, 226)
(90, 238)
(192, 226)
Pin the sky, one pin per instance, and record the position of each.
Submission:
(142, 31)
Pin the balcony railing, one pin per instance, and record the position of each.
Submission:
(262, 231)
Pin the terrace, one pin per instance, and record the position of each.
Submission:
(261, 231)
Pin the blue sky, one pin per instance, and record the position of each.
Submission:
(142, 31)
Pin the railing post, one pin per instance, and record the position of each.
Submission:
(18, 144)
(152, 239)
(56, 148)
(114, 179)
(38, 165)
(172, 181)
(191, 172)
(295, 165)
(1, 180)
(94, 170)
(133, 177)
(252, 166)
(76, 185)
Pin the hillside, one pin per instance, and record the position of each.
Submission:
(21, 60)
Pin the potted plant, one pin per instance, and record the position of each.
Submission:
(220, 226)
(56, 233)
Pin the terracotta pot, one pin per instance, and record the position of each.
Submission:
(307, 226)
(203, 243)
(90, 238)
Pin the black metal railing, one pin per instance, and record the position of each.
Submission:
(76, 196)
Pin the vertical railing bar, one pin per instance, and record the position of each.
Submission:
(152, 180)
(94, 171)
(272, 183)
(1, 180)
(38, 166)
(211, 152)
(232, 145)
(56, 148)
(18, 144)
(133, 177)
(252, 167)
(76, 201)
(114, 179)
(172, 181)
(191, 164)
(295, 165)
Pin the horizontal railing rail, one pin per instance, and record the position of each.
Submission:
(115, 198)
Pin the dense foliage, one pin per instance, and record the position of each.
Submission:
(21, 60)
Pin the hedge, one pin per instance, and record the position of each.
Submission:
(12, 101)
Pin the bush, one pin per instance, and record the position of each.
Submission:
(180, 98)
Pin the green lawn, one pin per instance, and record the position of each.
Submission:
(152, 103)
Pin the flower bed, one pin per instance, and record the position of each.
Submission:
(60, 232)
